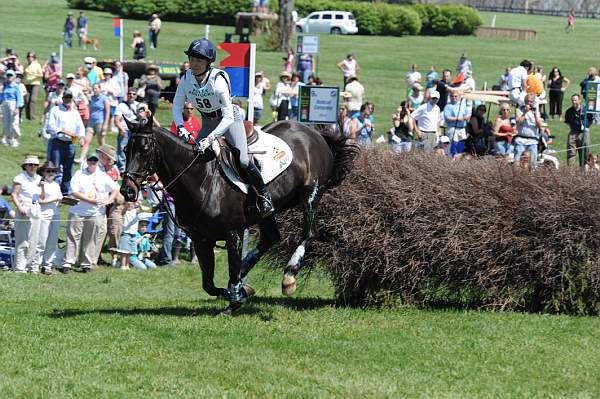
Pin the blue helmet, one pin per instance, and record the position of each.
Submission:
(202, 48)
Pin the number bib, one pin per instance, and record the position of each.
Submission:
(204, 97)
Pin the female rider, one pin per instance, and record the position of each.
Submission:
(209, 90)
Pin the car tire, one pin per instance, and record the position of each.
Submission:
(298, 29)
(336, 31)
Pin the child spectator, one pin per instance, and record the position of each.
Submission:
(140, 259)
(50, 197)
(128, 239)
(591, 167)
(11, 100)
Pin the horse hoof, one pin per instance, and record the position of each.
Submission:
(288, 285)
(248, 290)
(231, 310)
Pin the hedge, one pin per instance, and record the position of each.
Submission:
(371, 18)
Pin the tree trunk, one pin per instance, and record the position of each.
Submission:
(286, 24)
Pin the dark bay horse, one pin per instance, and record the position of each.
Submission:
(210, 209)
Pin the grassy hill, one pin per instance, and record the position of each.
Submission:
(113, 334)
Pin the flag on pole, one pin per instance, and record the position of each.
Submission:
(117, 26)
(237, 66)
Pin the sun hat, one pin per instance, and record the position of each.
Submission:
(89, 60)
(107, 150)
(70, 76)
(435, 94)
(417, 86)
(107, 71)
(285, 74)
(31, 159)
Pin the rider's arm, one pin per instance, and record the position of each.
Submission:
(179, 101)
(222, 91)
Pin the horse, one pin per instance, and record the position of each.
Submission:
(211, 209)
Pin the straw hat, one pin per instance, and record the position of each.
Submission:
(285, 74)
(107, 150)
(31, 159)
(152, 66)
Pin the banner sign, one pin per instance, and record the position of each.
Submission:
(307, 44)
(318, 104)
(237, 66)
(593, 97)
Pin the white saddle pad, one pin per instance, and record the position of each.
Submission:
(272, 154)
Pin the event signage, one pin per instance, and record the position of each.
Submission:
(318, 104)
(593, 97)
(307, 44)
(117, 25)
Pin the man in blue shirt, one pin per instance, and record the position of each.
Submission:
(456, 115)
(11, 100)
(82, 28)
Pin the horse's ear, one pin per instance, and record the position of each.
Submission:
(147, 124)
(131, 125)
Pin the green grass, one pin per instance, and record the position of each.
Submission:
(155, 334)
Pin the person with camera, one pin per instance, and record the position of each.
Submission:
(400, 135)
(529, 121)
(362, 128)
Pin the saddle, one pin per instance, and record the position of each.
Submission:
(269, 153)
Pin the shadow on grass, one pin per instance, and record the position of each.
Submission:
(252, 308)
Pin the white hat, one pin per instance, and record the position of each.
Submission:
(89, 60)
(417, 86)
(435, 94)
(107, 71)
(444, 140)
(70, 76)
(33, 159)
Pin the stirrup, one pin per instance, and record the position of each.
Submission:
(265, 205)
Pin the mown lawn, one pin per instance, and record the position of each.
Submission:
(114, 334)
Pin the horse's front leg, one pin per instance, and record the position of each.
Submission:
(288, 284)
(206, 258)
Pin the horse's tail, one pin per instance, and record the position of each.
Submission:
(344, 154)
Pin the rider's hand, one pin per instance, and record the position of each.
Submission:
(203, 144)
(184, 133)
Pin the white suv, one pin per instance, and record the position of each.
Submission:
(334, 22)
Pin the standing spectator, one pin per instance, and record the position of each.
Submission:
(517, 82)
(306, 66)
(173, 236)
(294, 99)
(557, 84)
(356, 91)
(68, 30)
(183, 69)
(33, 80)
(65, 129)
(127, 241)
(23, 89)
(112, 90)
(288, 65)
(52, 73)
(283, 93)
(10, 61)
(98, 122)
(95, 190)
(570, 21)
(139, 46)
(362, 128)
(503, 83)
(464, 66)
(260, 86)
(128, 110)
(11, 99)
(529, 122)
(401, 132)
(94, 72)
(190, 122)
(141, 259)
(574, 117)
(54, 98)
(25, 195)
(416, 97)
(122, 79)
(592, 76)
(456, 116)
(152, 84)
(79, 97)
(477, 134)
(427, 121)
(432, 76)
(504, 131)
(349, 67)
(153, 30)
(82, 29)
(81, 80)
(413, 76)
(442, 88)
(50, 197)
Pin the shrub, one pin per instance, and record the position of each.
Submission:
(426, 231)
(448, 19)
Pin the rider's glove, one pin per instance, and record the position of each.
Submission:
(184, 134)
(203, 144)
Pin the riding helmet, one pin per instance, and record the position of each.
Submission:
(202, 48)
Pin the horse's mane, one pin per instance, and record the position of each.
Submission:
(179, 146)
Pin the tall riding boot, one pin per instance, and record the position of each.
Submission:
(265, 204)
(176, 251)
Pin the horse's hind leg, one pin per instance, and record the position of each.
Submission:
(206, 258)
(288, 284)
(237, 293)
(269, 235)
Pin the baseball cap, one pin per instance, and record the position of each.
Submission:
(435, 94)
(68, 94)
(93, 156)
(70, 76)
(10, 72)
(60, 82)
(89, 60)
(444, 140)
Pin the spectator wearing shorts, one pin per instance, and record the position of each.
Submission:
(98, 122)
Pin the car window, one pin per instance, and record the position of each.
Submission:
(316, 16)
(350, 16)
(339, 16)
(326, 16)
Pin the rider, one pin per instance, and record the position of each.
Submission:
(208, 89)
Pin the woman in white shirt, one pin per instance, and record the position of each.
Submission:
(283, 92)
(50, 197)
(25, 195)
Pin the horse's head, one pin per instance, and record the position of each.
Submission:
(141, 154)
